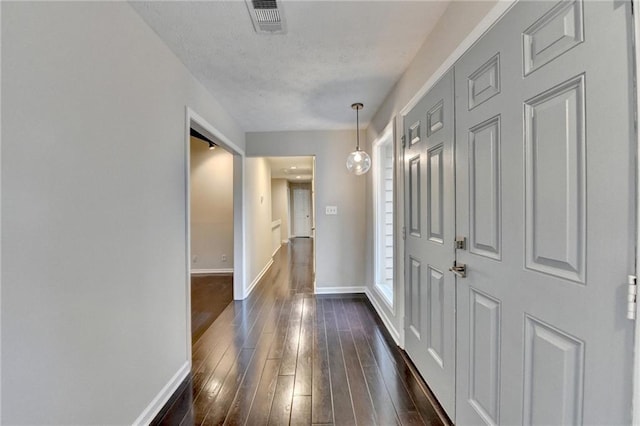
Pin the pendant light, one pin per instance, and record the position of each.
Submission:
(358, 162)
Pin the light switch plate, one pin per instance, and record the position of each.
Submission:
(331, 210)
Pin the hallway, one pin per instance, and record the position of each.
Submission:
(286, 356)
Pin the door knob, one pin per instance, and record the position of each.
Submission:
(460, 269)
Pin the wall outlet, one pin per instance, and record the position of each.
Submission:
(194, 258)
(331, 210)
(224, 257)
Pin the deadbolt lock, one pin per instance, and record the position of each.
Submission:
(460, 243)
(460, 269)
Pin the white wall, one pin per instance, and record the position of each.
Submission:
(258, 219)
(280, 205)
(93, 212)
(211, 207)
(458, 21)
(340, 239)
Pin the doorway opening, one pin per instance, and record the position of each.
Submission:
(211, 217)
(214, 225)
(293, 203)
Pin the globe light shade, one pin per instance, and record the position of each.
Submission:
(358, 162)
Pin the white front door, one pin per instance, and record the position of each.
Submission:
(430, 230)
(301, 196)
(545, 197)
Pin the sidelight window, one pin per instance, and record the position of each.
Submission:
(383, 199)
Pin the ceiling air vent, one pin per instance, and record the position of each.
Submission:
(266, 16)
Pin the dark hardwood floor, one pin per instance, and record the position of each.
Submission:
(210, 295)
(285, 356)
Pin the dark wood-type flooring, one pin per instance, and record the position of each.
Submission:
(285, 356)
(210, 295)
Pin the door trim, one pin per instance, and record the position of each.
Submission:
(239, 252)
(635, 411)
(388, 313)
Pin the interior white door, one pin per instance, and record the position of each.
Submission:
(430, 291)
(301, 210)
(545, 196)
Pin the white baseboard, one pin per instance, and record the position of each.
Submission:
(161, 399)
(221, 271)
(275, 251)
(257, 279)
(340, 290)
(383, 315)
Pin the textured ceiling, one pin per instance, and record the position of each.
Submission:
(334, 53)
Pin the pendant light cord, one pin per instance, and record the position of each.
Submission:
(357, 129)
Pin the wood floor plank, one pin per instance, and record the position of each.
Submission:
(277, 348)
(220, 408)
(362, 347)
(245, 395)
(350, 307)
(261, 407)
(301, 410)
(362, 405)
(327, 304)
(281, 407)
(292, 341)
(207, 394)
(341, 315)
(272, 320)
(321, 406)
(188, 419)
(304, 362)
(340, 393)
(382, 403)
(261, 321)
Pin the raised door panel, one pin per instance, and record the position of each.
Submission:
(484, 356)
(435, 194)
(557, 31)
(436, 320)
(415, 286)
(484, 83)
(414, 133)
(485, 215)
(435, 118)
(556, 181)
(553, 375)
(415, 193)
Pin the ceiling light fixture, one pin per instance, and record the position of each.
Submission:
(212, 146)
(293, 167)
(358, 162)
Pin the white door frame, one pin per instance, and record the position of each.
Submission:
(192, 119)
(636, 355)
(483, 26)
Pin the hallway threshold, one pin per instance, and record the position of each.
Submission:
(287, 356)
